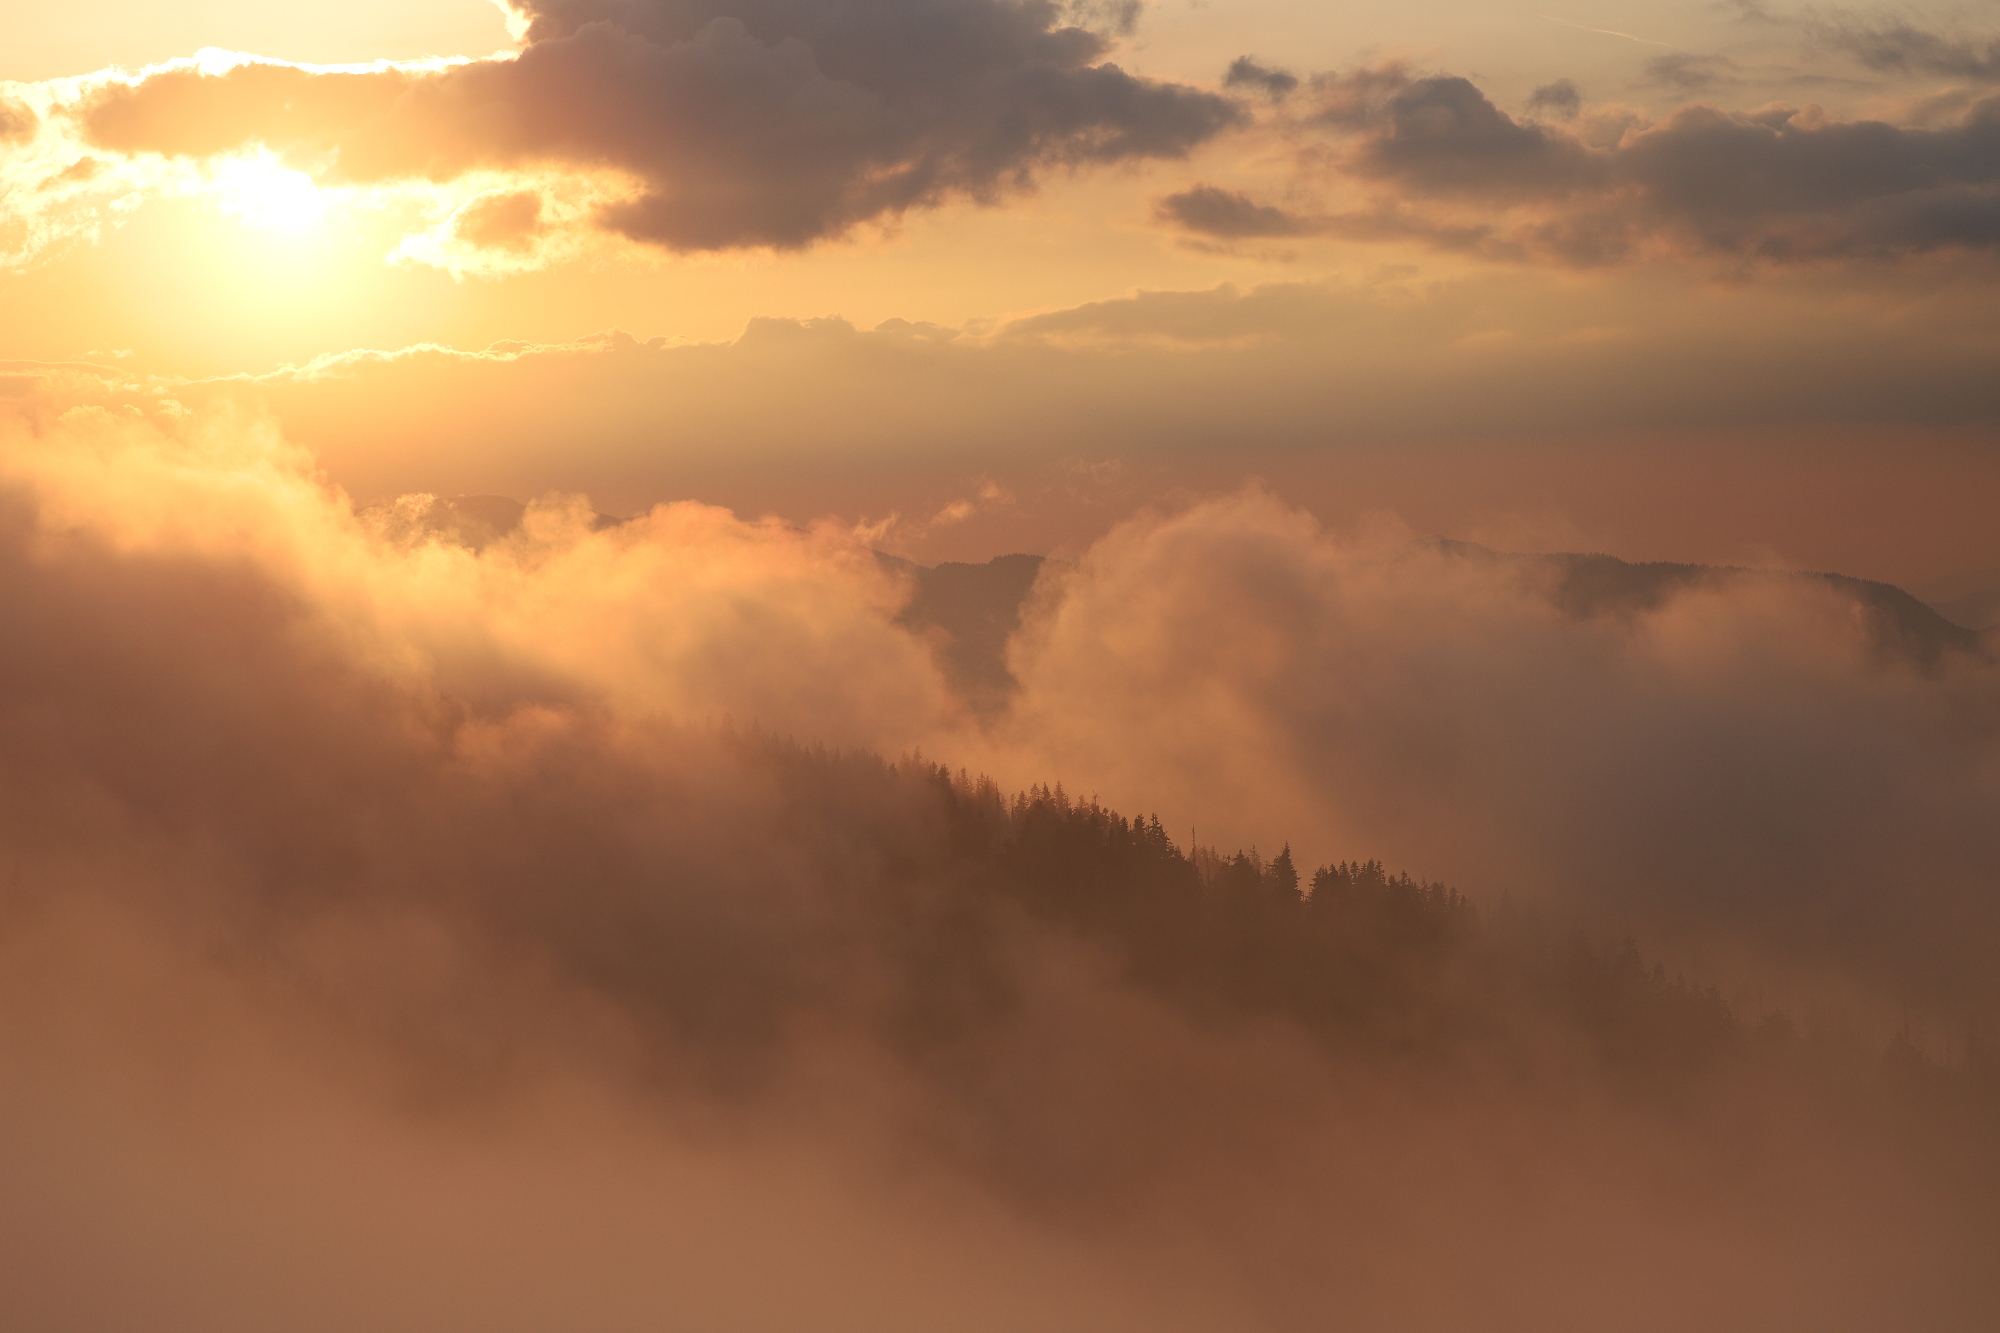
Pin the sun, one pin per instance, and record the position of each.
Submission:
(265, 193)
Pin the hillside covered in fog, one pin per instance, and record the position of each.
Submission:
(786, 666)
(1518, 937)
(971, 611)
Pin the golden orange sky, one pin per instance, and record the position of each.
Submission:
(679, 897)
(1685, 282)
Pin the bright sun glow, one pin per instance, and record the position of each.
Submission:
(264, 193)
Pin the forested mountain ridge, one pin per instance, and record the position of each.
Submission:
(1970, 598)
(1592, 585)
(1367, 965)
(1396, 985)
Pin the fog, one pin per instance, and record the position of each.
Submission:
(567, 932)
(1746, 757)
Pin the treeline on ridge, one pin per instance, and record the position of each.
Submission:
(1370, 964)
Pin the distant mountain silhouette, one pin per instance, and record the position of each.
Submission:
(969, 612)
(1971, 599)
(974, 609)
(1591, 585)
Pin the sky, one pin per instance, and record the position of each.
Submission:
(1690, 282)
(632, 918)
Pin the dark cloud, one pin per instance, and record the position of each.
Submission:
(1783, 185)
(1560, 98)
(1749, 11)
(1227, 215)
(1899, 48)
(1687, 72)
(744, 123)
(1247, 73)
(1119, 16)
(1442, 135)
(1778, 183)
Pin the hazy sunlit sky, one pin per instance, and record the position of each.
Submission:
(425, 911)
(1701, 281)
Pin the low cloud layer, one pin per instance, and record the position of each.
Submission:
(1777, 184)
(1643, 414)
(398, 931)
(1626, 748)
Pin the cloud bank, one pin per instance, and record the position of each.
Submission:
(1658, 418)
(1604, 745)
(1780, 184)
(371, 897)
